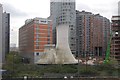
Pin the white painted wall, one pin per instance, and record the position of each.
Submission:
(63, 49)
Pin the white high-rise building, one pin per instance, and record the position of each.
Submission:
(1, 12)
(1, 50)
(62, 12)
(119, 8)
(4, 34)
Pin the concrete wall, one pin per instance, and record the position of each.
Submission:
(64, 53)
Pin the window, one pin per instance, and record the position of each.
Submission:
(48, 42)
(43, 21)
(37, 30)
(72, 44)
(48, 39)
(71, 28)
(71, 25)
(37, 36)
(37, 40)
(37, 43)
(72, 38)
(37, 47)
(37, 27)
(116, 33)
(37, 54)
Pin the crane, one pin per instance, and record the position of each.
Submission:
(107, 58)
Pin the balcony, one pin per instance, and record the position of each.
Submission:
(115, 28)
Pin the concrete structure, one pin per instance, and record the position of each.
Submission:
(93, 33)
(49, 55)
(33, 36)
(61, 54)
(119, 8)
(6, 32)
(115, 43)
(63, 12)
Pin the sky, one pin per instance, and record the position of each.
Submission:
(20, 10)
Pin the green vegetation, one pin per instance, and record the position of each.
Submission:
(107, 58)
(16, 68)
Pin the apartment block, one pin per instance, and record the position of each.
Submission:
(33, 36)
(92, 31)
(115, 42)
(84, 23)
(101, 35)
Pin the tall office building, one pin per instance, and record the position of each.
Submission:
(92, 34)
(6, 32)
(33, 36)
(4, 36)
(62, 12)
(119, 8)
(84, 23)
(1, 48)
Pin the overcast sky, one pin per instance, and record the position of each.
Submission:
(21, 10)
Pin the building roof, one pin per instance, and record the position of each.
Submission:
(115, 18)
